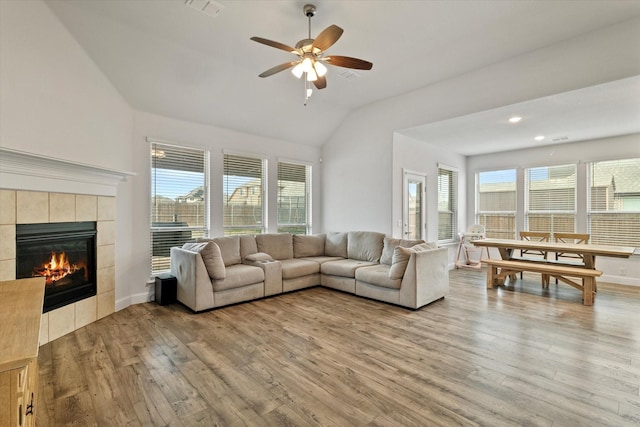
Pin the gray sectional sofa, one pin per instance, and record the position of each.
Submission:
(227, 270)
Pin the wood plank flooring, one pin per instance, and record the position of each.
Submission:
(518, 355)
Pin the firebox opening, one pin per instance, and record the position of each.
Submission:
(64, 253)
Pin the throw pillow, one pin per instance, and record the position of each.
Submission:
(336, 245)
(210, 253)
(229, 248)
(399, 263)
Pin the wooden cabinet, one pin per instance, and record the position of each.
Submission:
(20, 314)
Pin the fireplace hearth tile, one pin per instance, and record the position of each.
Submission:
(86, 312)
(8, 269)
(106, 208)
(106, 279)
(7, 242)
(62, 207)
(32, 207)
(106, 256)
(106, 304)
(8, 203)
(106, 233)
(44, 328)
(61, 321)
(86, 208)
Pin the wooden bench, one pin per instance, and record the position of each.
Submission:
(509, 268)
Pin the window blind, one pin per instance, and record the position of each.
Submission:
(244, 195)
(496, 203)
(447, 204)
(614, 202)
(179, 200)
(551, 198)
(294, 198)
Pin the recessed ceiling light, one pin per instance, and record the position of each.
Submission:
(539, 138)
(515, 119)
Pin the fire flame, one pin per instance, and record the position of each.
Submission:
(57, 268)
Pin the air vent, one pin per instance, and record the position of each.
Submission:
(560, 139)
(349, 75)
(209, 7)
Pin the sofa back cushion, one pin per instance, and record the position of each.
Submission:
(279, 246)
(399, 263)
(390, 244)
(336, 244)
(210, 253)
(365, 245)
(308, 246)
(248, 245)
(229, 247)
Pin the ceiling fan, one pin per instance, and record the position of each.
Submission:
(311, 55)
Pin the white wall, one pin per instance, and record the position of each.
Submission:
(358, 170)
(216, 140)
(55, 101)
(418, 156)
(615, 148)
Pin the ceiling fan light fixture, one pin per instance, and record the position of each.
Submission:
(320, 69)
(307, 65)
(297, 70)
(311, 75)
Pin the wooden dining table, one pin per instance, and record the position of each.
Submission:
(564, 271)
(588, 251)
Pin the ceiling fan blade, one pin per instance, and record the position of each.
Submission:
(327, 37)
(271, 43)
(278, 68)
(321, 82)
(348, 62)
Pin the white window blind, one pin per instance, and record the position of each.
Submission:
(244, 194)
(179, 199)
(294, 198)
(447, 204)
(496, 203)
(551, 198)
(614, 202)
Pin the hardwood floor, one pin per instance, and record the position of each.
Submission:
(513, 356)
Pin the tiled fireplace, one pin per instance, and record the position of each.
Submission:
(40, 193)
(30, 207)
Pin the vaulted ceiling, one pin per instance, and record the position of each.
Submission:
(170, 59)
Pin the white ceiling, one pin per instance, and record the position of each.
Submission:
(169, 59)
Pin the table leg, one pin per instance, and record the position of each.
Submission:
(587, 290)
(492, 272)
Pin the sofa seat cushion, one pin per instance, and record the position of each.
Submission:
(343, 267)
(296, 267)
(237, 276)
(322, 259)
(377, 275)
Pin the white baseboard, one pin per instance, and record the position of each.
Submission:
(134, 299)
(619, 280)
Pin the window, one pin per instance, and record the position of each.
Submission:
(179, 199)
(294, 213)
(496, 203)
(551, 198)
(447, 204)
(614, 202)
(244, 194)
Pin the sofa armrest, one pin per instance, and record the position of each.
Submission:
(194, 285)
(272, 275)
(426, 278)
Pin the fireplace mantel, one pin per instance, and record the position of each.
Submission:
(20, 170)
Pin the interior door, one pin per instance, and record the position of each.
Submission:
(414, 206)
